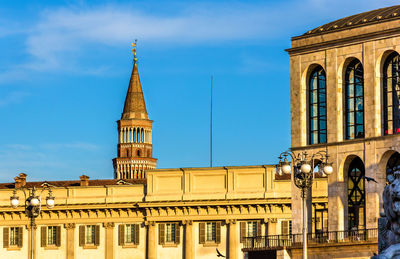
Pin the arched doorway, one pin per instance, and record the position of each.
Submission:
(356, 194)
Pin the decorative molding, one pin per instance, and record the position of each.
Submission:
(230, 221)
(108, 224)
(150, 223)
(69, 225)
(187, 222)
(272, 220)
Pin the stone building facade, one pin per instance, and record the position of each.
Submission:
(345, 91)
(175, 213)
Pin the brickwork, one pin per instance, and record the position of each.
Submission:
(135, 147)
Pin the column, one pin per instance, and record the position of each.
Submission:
(109, 244)
(233, 242)
(70, 227)
(151, 240)
(120, 136)
(189, 239)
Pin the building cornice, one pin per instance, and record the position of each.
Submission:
(356, 39)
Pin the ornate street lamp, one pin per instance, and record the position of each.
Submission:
(32, 206)
(303, 176)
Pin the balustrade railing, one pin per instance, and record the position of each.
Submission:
(279, 241)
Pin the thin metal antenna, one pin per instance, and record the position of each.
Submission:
(211, 123)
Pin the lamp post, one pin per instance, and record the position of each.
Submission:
(303, 176)
(32, 206)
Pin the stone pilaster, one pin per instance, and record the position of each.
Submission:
(70, 227)
(189, 239)
(109, 244)
(233, 241)
(272, 226)
(151, 240)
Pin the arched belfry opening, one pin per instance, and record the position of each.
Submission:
(356, 194)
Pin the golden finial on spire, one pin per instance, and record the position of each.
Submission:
(134, 50)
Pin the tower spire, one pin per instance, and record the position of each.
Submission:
(135, 106)
(135, 148)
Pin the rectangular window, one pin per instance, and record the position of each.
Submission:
(251, 229)
(14, 236)
(211, 231)
(170, 232)
(51, 235)
(129, 233)
(286, 227)
(90, 234)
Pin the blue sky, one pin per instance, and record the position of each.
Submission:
(65, 67)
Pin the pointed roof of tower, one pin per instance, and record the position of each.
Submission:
(135, 106)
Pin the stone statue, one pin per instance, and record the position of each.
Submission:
(389, 222)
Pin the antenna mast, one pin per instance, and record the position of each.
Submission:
(211, 123)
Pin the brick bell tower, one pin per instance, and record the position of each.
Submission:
(135, 149)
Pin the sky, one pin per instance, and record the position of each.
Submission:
(65, 68)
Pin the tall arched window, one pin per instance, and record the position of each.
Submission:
(391, 93)
(317, 106)
(354, 100)
(356, 194)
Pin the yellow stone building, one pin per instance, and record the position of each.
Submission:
(345, 88)
(176, 213)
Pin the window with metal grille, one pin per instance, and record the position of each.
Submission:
(356, 194)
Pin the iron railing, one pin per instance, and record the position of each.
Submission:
(280, 241)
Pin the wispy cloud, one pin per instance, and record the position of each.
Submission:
(61, 38)
(60, 32)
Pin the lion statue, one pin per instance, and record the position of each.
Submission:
(389, 223)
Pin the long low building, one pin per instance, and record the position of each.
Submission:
(174, 213)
